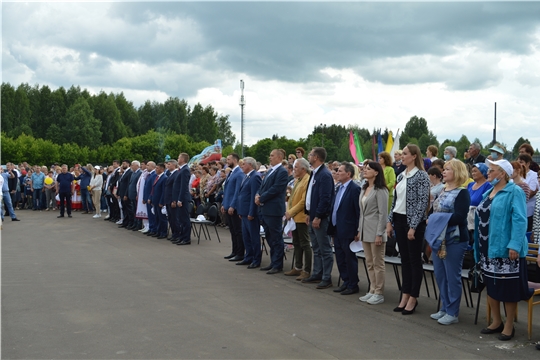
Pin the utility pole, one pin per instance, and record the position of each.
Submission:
(242, 104)
(495, 125)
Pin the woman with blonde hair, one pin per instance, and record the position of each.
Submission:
(447, 264)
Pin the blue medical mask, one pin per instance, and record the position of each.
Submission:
(446, 157)
(494, 155)
(494, 181)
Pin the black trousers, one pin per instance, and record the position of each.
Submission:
(128, 213)
(114, 208)
(411, 255)
(65, 197)
(235, 227)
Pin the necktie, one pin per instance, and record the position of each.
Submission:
(154, 184)
(244, 179)
(336, 205)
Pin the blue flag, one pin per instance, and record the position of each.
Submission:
(381, 148)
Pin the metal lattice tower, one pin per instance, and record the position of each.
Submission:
(242, 104)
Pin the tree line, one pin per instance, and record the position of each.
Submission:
(75, 116)
(43, 126)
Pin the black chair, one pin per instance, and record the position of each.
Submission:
(213, 219)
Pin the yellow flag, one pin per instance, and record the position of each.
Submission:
(389, 143)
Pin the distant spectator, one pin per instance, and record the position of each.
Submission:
(398, 166)
(528, 149)
(439, 164)
(300, 152)
(473, 156)
(431, 153)
(531, 178)
(450, 152)
(497, 152)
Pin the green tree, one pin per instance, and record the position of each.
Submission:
(22, 111)
(130, 116)
(225, 132)
(8, 107)
(81, 126)
(105, 110)
(173, 116)
(519, 142)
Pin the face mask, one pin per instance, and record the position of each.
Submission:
(494, 155)
(446, 157)
(494, 181)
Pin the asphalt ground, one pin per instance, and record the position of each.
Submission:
(82, 288)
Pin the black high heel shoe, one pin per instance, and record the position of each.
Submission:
(409, 312)
(399, 309)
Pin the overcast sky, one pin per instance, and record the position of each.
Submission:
(303, 64)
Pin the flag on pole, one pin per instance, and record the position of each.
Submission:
(389, 143)
(395, 147)
(355, 148)
(379, 141)
(352, 147)
(359, 153)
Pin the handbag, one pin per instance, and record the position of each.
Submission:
(476, 276)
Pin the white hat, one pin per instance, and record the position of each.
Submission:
(497, 148)
(262, 168)
(97, 167)
(504, 164)
(201, 218)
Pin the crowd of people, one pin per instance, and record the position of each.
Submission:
(434, 210)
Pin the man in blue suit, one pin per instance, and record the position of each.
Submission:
(156, 200)
(169, 200)
(229, 207)
(319, 198)
(249, 214)
(271, 201)
(134, 223)
(151, 168)
(344, 227)
(184, 197)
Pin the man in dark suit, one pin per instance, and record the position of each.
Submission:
(156, 200)
(249, 214)
(271, 201)
(229, 207)
(122, 191)
(151, 168)
(135, 224)
(344, 227)
(111, 183)
(319, 198)
(169, 200)
(184, 197)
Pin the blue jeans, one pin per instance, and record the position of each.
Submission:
(86, 199)
(7, 201)
(37, 199)
(448, 276)
(323, 258)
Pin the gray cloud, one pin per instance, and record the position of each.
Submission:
(268, 41)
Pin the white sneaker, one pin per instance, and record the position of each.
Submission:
(366, 297)
(448, 319)
(119, 222)
(96, 216)
(438, 315)
(376, 299)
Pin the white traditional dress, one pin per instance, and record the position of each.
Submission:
(142, 212)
